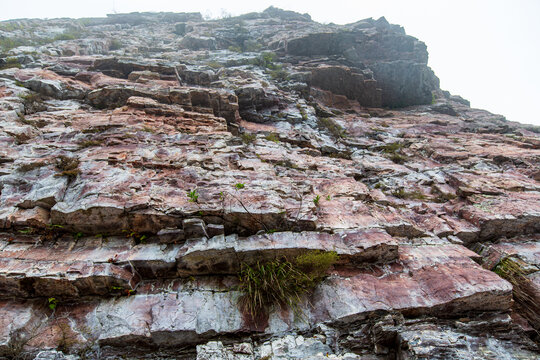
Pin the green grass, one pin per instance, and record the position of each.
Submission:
(11, 63)
(272, 137)
(90, 143)
(302, 112)
(71, 34)
(281, 283)
(235, 48)
(286, 163)
(10, 43)
(248, 138)
(398, 158)
(332, 127)
(392, 148)
(214, 64)
(10, 26)
(393, 152)
(408, 195)
(279, 75)
(441, 197)
(115, 44)
(266, 60)
(13, 42)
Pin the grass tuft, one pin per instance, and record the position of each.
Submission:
(333, 127)
(272, 137)
(32, 166)
(408, 195)
(393, 152)
(68, 166)
(90, 143)
(281, 283)
(248, 138)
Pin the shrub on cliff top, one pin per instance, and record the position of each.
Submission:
(281, 282)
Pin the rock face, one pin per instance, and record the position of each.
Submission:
(148, 159)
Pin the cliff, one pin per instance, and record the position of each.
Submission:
(156, 167)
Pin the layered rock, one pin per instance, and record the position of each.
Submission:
(140, 174)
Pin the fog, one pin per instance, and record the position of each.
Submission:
(486, 51)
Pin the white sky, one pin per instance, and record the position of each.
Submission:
(487, 51)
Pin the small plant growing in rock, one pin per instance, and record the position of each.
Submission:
(119, 290)
(214, 64)
(71, 34)
(286, 163)
(393, 152)
(397, 158)
(90, 143)
(52, 303)
(139, 238)
(239, 186)
(279, 75)
(115, 44)
(10, 63)
(302, 112)
(272, 137)
(248, 138)
(27, 231)
(266, 60)
(32, 166)
(193, 196)
(52, 232)
(333, 127)
(408, 195)
(281, 282)
(328, 198)
(68, 166)
(180, 29)
(316, 200)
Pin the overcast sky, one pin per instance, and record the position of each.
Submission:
(487, 51)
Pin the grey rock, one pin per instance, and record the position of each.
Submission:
(194, 228)
(54, 355)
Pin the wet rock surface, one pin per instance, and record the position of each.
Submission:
(141, 172)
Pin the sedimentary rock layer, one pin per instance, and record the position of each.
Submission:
(147, 159)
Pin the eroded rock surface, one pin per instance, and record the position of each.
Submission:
(147, 158)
